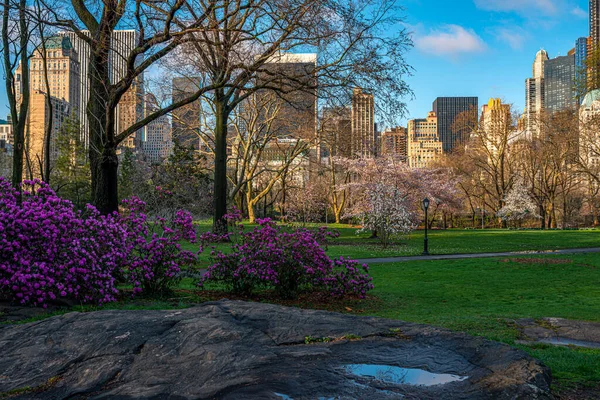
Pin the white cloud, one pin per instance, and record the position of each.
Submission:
(548, 7)
(514, 36)
(450, 40)
(579, 12)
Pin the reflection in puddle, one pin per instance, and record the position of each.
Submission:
(401, 376)
(283, 396)
(559, 341)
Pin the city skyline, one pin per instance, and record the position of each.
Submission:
(486, 48)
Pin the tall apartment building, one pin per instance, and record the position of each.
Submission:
(63, 72)
(495, 125)
(424, 144)
(535, 94)
(157, 144)
(130, 108)
(595, 22)
(336, 132)
(364, 137)
(581, 52)
(394, 143)
(295, 74)
(559, 83)
(186, 120)
(457, 117)
(37, 121)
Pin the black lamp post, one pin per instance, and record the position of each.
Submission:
(426, 207)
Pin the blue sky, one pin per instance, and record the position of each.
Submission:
(481, 48)
(485, 48)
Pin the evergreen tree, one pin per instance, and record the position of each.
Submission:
(71, 178)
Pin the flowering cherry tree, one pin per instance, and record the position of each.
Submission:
(518, 204)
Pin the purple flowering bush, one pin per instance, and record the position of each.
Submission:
(268, 257)
(156, 257)
(51, 252)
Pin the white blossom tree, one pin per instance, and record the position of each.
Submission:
(518, 204)
(387, 213)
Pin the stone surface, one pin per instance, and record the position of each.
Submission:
(560, 332)
(238, 350)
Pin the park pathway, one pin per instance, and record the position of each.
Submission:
(387, 260)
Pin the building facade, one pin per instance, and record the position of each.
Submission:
(589, 132)
(559, 83)
(581, 52)
(535, 95)
(157, 143)
(6, 131)
(336, 132)
(295, 75)
(186, 120)
(37, 121)
(63, 81)
(364, 138)
(394, 143)
(130, 108)
(424, 144)
(496, 126)
(63, 71)
(457, 117)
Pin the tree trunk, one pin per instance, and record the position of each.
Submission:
(338, 215)
(220, 206)
(543, 217)
(106, 198)
(101, 116)
(250, 203)
(18, 112)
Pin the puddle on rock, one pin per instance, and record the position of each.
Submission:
(283, 396)
(401, 376)
(559, 341)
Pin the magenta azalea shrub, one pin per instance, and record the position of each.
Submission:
(49, 251)
(287, 262)
(156, 257)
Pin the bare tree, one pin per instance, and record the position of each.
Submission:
(16, 32)
(160, 28)
(248, 38)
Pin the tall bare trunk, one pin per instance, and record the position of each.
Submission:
(220, 195)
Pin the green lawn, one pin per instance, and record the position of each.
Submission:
(452, 241)
(483, 297)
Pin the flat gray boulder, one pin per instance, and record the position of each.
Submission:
(238, 350)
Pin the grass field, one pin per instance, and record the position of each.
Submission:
(451, 241)
(479, 296)
(484, 297)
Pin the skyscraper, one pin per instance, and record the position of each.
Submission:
(157, 144)
(595, 22)
(336, 132)
(456, 117)
(364, 139)
(535, 94)
(130, 108)
(186, 120)
(581, 51)
(62, 91)
(559, 83)
(295, 75)
(394, 142)
(496, 123)
(424, 144)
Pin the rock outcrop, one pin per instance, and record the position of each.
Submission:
(238, 350)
